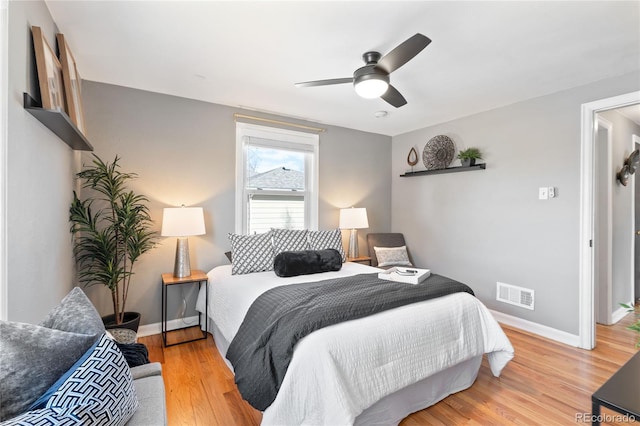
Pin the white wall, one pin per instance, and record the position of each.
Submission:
(40, 180)
(4, 31)
(481, 227)
(184, 153)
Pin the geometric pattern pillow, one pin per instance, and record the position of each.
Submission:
(289, 240)
(389, 256)
(321, 240)
(99, 391)
(251, 253)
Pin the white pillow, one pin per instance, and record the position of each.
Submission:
(392, 256)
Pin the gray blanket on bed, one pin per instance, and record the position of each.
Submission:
(261, 350)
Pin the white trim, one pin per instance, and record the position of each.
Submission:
(635, 139)
(288, 139)
(620, 313)
(586, 323)
(605, 301)
(156, 327)
(535, 328)
(4, 106)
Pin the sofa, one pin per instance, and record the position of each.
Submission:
(68, 370)
(149, 385)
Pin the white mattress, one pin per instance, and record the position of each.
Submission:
(336, 373)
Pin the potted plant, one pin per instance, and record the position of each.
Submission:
(469, 156)
(112, 230)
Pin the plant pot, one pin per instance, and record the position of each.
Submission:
(467, 162)
(131, 321)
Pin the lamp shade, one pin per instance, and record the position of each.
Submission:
(182, 222)
(354, 218)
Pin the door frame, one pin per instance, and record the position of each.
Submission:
(602, 296)
(586, 314)
(635, 144)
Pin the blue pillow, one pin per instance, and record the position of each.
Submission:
(97, 390)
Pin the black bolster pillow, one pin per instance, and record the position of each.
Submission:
(292, 263)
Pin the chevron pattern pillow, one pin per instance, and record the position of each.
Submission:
(98, 389)
(289, 240)
(321, 240)
(251, 253)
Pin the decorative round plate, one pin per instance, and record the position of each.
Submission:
(438, 152)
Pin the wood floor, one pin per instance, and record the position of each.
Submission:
(547, 383)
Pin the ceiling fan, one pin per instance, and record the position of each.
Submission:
(372, 80)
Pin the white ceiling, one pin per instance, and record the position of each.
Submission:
(249, 54)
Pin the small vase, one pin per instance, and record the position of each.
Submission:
(468, 162)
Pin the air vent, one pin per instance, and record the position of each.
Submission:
(515, 295)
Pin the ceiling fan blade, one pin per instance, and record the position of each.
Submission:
(325, 82)
(393, 97)
(404, 52)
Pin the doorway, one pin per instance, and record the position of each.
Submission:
(588, 224)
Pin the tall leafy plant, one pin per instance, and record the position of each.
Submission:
(112, 230)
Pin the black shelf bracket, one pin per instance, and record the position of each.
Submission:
(59, 123)
(481, 166)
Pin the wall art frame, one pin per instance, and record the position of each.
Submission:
(49, 72)
(72, 83)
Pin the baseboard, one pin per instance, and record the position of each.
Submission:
(539, 329)
(619, 313)
(156, 327)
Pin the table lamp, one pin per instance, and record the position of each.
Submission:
(354, 219)
(182, 222)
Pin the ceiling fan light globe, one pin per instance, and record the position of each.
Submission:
(371, 88)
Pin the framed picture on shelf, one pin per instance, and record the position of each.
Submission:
(49, 73)
(72, 80)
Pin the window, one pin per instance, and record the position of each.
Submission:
(276, 179)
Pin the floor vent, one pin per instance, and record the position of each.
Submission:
(515, 295)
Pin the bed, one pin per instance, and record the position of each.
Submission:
(374, 370)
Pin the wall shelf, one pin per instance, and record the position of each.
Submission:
(59, 123)
(481, 166)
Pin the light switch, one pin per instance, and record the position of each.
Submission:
(552, 192)
(543, 193)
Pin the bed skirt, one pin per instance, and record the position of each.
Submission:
(391, 409)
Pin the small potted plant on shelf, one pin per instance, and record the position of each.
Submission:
(111, 229)
(469, 156)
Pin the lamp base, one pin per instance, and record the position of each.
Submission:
(182, 267)
(353, 244)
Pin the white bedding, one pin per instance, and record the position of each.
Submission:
(339, 371)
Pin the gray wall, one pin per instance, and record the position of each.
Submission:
(184, 153)
(485, 226)
(40, 178)
(622, 204)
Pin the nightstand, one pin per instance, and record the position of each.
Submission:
(365, 260)
(169, 280)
